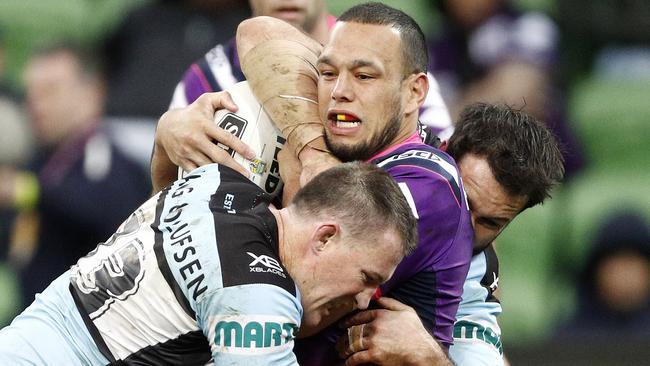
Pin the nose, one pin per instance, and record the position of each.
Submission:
(342, 90)
(363, 298)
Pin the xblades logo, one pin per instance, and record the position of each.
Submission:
(235, 125)
(272, 265)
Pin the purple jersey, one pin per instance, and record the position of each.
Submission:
(431, 182)
(431, 279)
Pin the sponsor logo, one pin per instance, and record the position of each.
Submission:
(265, 264)
(425, 155)
(273, 179)
(235, 125)
(252, 334)
(227, 203)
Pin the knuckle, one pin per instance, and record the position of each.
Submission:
(374, 354)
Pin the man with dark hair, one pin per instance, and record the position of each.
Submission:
(509, 161)
(413, 41)
(370, 107)
(221, 68)
(519, 151)
(513, 133)
(208, 270)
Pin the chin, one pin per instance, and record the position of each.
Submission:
(310, 326)
(317, 322)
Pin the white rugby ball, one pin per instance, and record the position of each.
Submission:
(253, 126)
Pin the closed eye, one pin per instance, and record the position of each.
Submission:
(489, 223)
(327, 74)
(372, 279)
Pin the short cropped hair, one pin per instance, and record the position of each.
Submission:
(414, 47)
(521, 151)
(364, 197)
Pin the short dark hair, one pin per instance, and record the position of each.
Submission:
(414, 47)
(521, 151)
(364, 197)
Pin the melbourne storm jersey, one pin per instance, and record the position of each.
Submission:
(193, 275)
(431, 279)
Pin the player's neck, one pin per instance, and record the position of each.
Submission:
(409, 126)
(282, 220)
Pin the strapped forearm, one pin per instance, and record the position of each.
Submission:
(283, 76)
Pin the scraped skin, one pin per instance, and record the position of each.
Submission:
(279, 63)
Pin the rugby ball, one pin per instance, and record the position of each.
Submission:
(253, 126)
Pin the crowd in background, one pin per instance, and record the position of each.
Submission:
(77, 119)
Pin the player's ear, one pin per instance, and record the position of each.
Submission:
(324, 236)
(417, 87)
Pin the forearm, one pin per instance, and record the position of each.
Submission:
(430, 353)
(279, 63)
(163, 170)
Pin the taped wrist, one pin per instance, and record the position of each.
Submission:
(283, 77)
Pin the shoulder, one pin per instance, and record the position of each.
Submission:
(217, 70)
(423, 167)
(248, 324)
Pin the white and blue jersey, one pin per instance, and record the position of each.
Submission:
(477, 336)
(192, 276)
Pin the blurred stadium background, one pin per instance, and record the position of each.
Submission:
(542, 251)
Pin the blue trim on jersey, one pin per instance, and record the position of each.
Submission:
(233, 57)
(425, 163)
(410, 292)
(209, 76)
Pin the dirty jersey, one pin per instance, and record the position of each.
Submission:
(192, 276)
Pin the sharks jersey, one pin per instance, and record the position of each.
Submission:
(477, 336)
(192, 276)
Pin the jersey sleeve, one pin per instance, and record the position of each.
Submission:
(213, 72)
(250, 325)
(431, 279)
(227, 275)
(198, 79)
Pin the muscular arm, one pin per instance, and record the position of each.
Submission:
(279, 63)
(184, 136)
